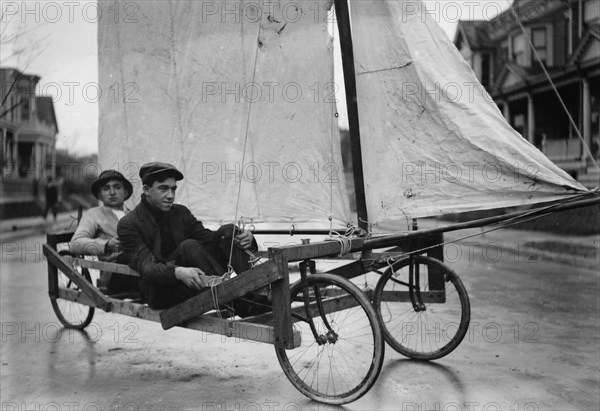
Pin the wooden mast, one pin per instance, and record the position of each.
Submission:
(343, 21)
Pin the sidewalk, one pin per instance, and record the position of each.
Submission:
(16, 228)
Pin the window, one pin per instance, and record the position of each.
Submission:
(592, 12)
(519, 50)
(25, 109)
(486, 69)
(539, 37)
(505, 53)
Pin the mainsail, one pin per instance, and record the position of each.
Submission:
(238, 95)
(241, 97)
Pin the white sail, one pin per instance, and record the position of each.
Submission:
(433, 141)
(232, 93)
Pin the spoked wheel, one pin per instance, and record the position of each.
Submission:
(423, 308)
(343, 362)
(70, 313)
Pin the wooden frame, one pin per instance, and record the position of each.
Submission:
(192, 313)
(274, 328)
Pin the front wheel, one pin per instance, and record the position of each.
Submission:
(342, 363)
(70, 313)
(423, 308)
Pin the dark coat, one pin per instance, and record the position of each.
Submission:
(140, 237)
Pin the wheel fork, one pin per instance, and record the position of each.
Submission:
(330, 336)
(414, 285)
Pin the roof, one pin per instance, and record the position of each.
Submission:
(593, 32)
(475, 33)
(45, 111)
(479, 32)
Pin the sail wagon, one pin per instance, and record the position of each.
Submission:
(242, 98)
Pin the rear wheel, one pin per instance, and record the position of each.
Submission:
(343, 362)
(72, 314)
(425, 316)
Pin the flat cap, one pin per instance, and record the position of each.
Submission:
(157, 167)
(108, 175)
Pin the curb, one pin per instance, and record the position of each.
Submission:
(533, 254)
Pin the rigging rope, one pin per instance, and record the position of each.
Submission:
(541, 63)
(500, 225)
(247, 131)
(345, 240)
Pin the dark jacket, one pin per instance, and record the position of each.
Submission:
(140, 237)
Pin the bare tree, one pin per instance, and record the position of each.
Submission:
(19, 47)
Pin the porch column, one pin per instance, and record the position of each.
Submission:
(37, 161)
(587, 114)
(15, 164)
(530, 119)
(3, 153)
(53, 171)
(506, 110)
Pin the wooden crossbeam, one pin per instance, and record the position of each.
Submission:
(106, 266)
(404, 296)
(244, 283)
(318, 250)
(75, 296)
(100, 300)
(240, 330)
(237, 329)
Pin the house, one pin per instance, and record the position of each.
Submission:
(565, 36)
(28, 128)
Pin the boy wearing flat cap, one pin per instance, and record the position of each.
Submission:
(96, 233)
(174, 253)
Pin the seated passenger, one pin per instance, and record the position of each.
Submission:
(96, 233)
(173, 252)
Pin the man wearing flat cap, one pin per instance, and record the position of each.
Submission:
(174, 253)
(96, 233)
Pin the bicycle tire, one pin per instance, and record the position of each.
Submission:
(72, 314)
(440, 326)
(341, 371)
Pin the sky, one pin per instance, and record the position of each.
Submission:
(58, 39)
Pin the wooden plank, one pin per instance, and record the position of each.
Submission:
(240, 330)
(318, 250)
(244, 283)
(75, 296)
(100, 300)
(106, 266)
(351, 270)
(136, 310)
(237, 329)
(429, 297)
(280, 297)
(330, 305)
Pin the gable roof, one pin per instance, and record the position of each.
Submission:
(45, 111)
(475, 33)
(592, 33)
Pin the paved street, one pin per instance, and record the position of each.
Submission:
(532, 345)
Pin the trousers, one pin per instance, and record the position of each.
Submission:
(212, 258)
